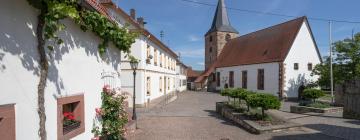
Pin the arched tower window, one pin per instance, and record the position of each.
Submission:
(227, 37)
(210, 39)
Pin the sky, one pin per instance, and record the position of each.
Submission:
(185, 24)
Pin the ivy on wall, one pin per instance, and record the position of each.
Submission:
(49, 24)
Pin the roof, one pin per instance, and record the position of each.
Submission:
(100, 7)
(271, 44)
(221, 21)
(192, 73)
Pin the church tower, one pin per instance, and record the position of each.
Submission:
(220, 32)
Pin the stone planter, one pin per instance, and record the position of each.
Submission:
(305, 109)
(249, 125)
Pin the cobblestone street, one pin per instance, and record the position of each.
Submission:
(192, 117)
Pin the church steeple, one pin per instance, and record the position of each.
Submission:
(221, 21)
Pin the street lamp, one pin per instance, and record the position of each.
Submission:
(134, 66)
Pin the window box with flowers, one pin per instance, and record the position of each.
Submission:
(70, 116)
(69, 122)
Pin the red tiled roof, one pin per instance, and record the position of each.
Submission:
(192, 73)
(267, 45)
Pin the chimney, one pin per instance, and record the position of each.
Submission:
(133, 14)
(140, 20)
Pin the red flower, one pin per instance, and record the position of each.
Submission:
(69, 115)
(107, 89)
(98, 111)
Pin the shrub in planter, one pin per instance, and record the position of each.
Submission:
(265, 101)
(242, 94)
(313, 94)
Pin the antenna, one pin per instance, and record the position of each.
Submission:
(162, 35)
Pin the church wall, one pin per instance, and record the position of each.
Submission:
(302, 52)
(271, 72)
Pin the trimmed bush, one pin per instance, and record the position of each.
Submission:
(313, 94)
(265, 101)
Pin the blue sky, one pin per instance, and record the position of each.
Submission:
(186, 23)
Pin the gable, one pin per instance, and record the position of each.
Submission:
(264, 46)
(304, 48)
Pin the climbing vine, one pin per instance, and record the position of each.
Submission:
(49, 24)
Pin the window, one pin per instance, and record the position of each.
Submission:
(155, 57)
(218, 79)
(168, 85)
(244, 79)
(161, 84)
(260, 78)
(231, 79)
(147, 51)
(7, 122)
(296, 66)
(227, 37)
(210, 38)
(210, 49)
(161, 60)
(70, 115)
(148, 55)
(148, 86)
(310, 67)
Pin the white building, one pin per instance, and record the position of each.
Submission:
(276, 60)
(181, 77)
(156, 74)
(76, 76)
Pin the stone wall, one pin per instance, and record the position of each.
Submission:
(351, 99)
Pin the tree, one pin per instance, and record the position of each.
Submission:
(346, 63)
(263, 100)
(313, 94)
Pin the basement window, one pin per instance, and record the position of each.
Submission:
(70, 115)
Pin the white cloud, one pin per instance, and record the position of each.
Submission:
(193, 38)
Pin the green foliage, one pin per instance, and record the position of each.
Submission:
(319, 105)
(265, 101)
(100, 25)
(114, 116)
(241, 93)
(56, 10)
(346, 64)
(225, 92)
(313, 94)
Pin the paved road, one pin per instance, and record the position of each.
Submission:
(192, 117)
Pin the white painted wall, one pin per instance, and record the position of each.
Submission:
(75, 68)
(18, 65)
(303, 52)
(271, 72)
